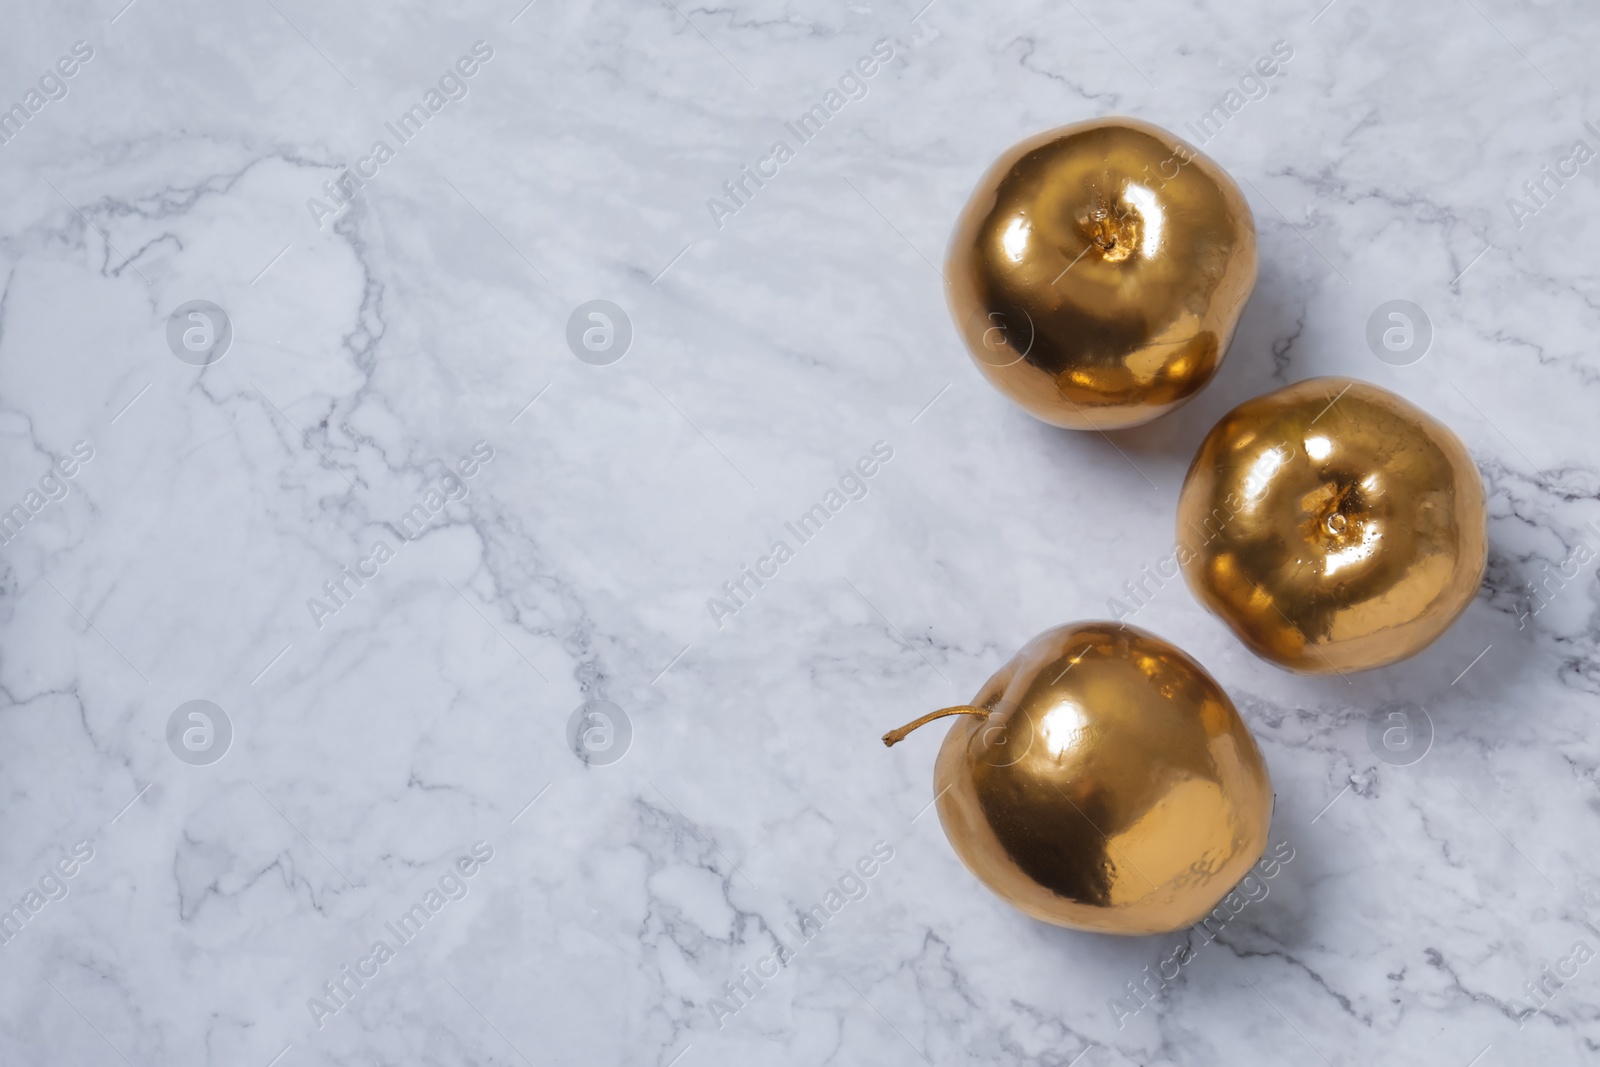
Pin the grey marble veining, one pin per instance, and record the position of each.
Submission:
(399, 533)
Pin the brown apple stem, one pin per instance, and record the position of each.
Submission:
(893, 737)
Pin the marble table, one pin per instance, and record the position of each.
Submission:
(381, 678)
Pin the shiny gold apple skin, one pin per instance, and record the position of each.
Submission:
(1098, 271)
(1334, 526)
(1109, 785)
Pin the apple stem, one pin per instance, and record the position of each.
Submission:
(893, 737)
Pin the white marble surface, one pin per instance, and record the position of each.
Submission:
(424, 716)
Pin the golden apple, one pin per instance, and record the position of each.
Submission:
(1102, 780)
(1333, 526)
(1098, 271)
